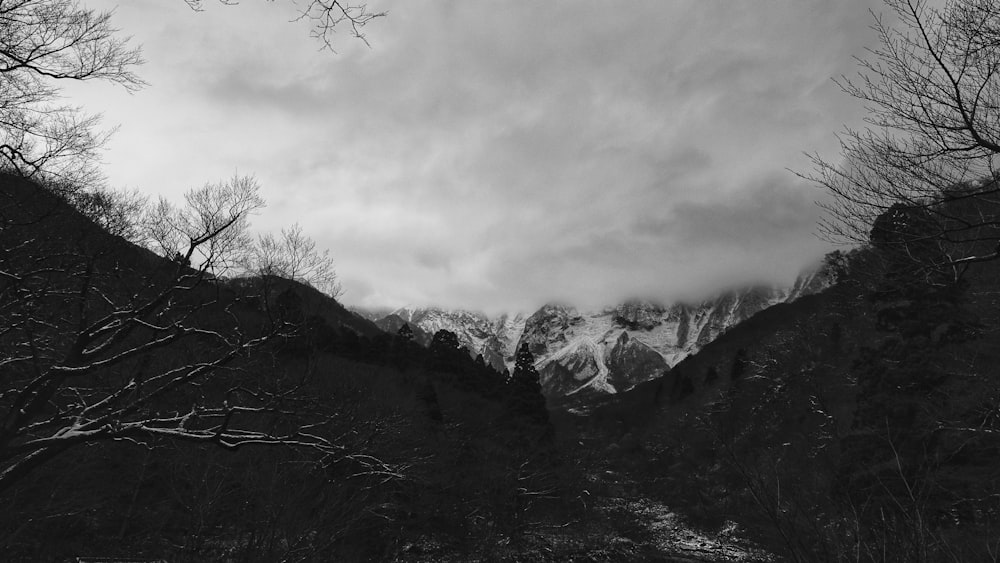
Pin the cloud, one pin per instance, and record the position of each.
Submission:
(495, 155)
(758, 214)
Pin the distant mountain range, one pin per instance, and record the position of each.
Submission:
(602, 352)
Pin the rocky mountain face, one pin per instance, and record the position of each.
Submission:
(582, 353)
(495, 338)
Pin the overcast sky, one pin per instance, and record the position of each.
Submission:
(496, 155)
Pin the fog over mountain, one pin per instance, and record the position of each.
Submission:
(583, 354)
(497, 156)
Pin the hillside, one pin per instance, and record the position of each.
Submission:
(169, 413)
(860, 416)
(150, 410)
(255, 419)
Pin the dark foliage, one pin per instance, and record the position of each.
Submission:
(427, 458)
(858, 424)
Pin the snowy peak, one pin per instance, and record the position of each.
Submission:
(574, 368)
(494, 339)
(609, 351)
(550, 329)
(616, 349)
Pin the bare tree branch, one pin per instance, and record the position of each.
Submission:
(101, 340)
(933, 136)
(325, 16)
(43, 42)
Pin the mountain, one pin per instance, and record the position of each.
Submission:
(615, 349)
(589, 354)
(493, 338)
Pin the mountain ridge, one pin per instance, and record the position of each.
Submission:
(598, 352)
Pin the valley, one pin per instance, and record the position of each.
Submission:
(183, 379)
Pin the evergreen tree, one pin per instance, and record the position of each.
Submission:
(405, 332)
(444, 341)
(445, 352)
(526, 388)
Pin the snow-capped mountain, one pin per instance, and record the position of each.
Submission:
(494, 338)
(608, 351)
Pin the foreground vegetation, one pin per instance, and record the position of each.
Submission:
(173, 389)
(856, 424)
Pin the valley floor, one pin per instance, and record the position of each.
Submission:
(621, 525)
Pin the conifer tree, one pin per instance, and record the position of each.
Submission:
(445, 352)
(405, 332)
(526, 388)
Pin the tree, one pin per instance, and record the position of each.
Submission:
(932, 90)
(405, 332)
(103, 341)
(119, 212)
(446, 353)
(209, 233)
(293, 256)
(43, 42)
(326, 16)
(526, 388)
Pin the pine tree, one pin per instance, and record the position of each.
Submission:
(446, 354)
(526, 388)
(405, 332)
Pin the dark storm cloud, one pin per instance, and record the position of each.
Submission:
(755, 216)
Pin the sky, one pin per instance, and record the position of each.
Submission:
(496, 156)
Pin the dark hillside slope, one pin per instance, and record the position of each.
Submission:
(696, 378)
(311, 302)
(30, 215)
(392, 323)
(859, 420)
(384, 450)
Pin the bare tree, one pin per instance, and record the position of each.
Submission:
(293, 256)
(117, 211)
(101, 340)
(928, 153)
(43, 42)
(210, 231)
(325, 16)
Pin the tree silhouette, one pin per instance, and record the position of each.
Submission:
(526, 388)
(293, 256)
(43, 42)
(104, 341)
(405, 332)
(933, 96)
(326, 16)
(446, 354)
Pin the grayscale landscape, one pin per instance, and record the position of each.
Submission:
(479, 281)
